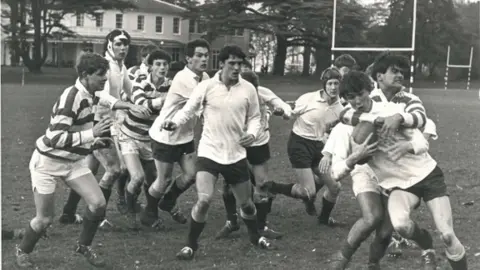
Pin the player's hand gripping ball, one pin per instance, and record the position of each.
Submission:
(360, 134)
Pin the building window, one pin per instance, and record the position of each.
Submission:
(191, 26)
(99, 20)
(175, 54)
(215, 59)
(140, 22)
(159, 24)
(239, 32)
(201, 27)
(119, 21)
(80, 19)
(176, 25)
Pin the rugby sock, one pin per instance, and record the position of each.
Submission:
(130, 200)
(30, 239)
(285, 189)
(327, 208)
(194, 232)
(269, 208)
(121, 184)
(459, 265)
(230, 206)
(422, 237)
(90, 226)
(72, 202)
(378, 247)
(170, 198)
(262, 212)
(7, 234)
(252, 228)
(106, 193)
(152, 202)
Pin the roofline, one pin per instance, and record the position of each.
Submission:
(172, 5)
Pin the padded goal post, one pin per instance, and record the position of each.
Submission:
(410, 49)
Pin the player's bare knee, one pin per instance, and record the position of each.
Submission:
(98, 206)
(137, 179)
(42, 223)
(404, 226)
(372, 219)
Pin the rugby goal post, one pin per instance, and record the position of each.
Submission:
(410, 49)
(469, 66)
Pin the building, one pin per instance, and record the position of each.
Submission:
(153, 22)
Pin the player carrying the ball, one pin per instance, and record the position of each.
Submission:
(416, 175)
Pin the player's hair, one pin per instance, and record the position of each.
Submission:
(197, 43)
(159, 54)
(91, 63)
(228, 50)
(145, 51)
(354, 82)
(247, 64)
(251, 77)
(345, 60)
(112, 35)
(386, 60)
(329, 74)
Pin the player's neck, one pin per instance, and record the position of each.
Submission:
(157, 80)
(197, 72)
(85, 84)
(390, 92)
(227, 81)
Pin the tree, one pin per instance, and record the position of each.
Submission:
(437, 27)
(45, 22)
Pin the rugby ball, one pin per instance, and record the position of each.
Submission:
(360, 134)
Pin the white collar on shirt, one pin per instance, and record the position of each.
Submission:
(217, 79)
(81, 87)
(319, 98)
(194, 75)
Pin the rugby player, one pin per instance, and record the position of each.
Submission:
(258, 155)
(60, 156)
(231, 123)
(178, 146)
(417, 175)
(316, 114)
(135, 143)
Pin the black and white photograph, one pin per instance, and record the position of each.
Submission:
(240, 134)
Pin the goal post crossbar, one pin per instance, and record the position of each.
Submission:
(469, 67)
(378, 49)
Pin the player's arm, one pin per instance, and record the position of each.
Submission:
(430, 130)
(58, 134)
(328, 149)
(253, 114)
(271, 99)
(348, 153)
(351, 117)
(300, 106)
(192, 106)
(127, 84)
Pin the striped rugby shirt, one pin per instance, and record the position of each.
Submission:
(144, 93)
(69, 135)
(135, 71)
(410, 107)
